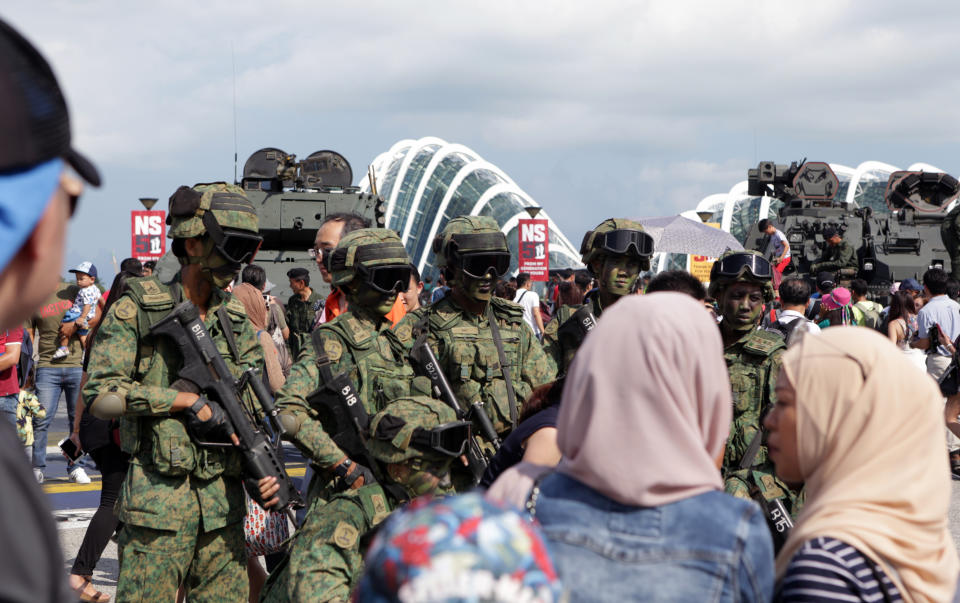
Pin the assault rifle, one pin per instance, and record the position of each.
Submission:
(425, 363)
(778, 519)
(204, 367)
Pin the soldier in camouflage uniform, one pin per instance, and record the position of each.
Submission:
(741, 281)
(182, 505)
(473, 253)
(353, 490)
(837, 255)
(615, 252)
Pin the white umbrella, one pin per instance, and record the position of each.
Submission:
(676, 234)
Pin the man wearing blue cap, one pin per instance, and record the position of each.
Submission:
(38, 194)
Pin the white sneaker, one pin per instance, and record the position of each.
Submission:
(38, 475)
(79, 476)
(61, 353)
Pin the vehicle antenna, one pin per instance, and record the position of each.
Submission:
(233, 63)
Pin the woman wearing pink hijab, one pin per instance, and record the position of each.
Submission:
(636, 510)
(863, 430)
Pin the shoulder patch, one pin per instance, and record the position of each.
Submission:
(404, 332)
(345, 535)
(125, 309)
(333, 349)
(356, 330)
(764, 343)
(150, 286)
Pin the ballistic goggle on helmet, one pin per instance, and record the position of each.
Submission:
(475, 244)
(222, 212)
(375, 255)
(745, 266)
(617, 236)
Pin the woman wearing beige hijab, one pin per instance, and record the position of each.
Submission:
(860, 427)
(636, 510)
(256, 307)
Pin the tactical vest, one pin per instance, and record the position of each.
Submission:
(750, 364)
(469, 358)
(375, 360)
(562, 339)
(162, 444)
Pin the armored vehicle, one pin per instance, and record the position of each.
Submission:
(890, 246)
(292, 198)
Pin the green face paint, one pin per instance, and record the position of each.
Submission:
(741, 305)
(618, 273)
(371, 300)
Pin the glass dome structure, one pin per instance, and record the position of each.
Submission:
(426, 182)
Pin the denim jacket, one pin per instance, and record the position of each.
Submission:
(710, 547)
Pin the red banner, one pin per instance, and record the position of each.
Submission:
(535, 248)
(148, 234)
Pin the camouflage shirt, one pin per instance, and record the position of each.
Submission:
(374, 360)
(562, 350)
(463, 344)
(754, 364)
(300, 315)
(836, 257)
(165, 465)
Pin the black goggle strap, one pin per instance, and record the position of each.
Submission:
(478, 242)
(735, 264)
(342, 258)
(620, 242)
(388, 278)
(234, 246)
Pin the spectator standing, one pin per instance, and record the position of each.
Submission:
(794, 295)
(133, 267)
(943, 313)
(301, 308)
(10, 341)
(862, 431)
(411, 297)
(836, 309)
(530, 301)
(56, 377)
(256, 308)
(276, 328)
(638, 389)
(678, 281)
(148, 268)
(38, 194)
(902, 327)
(869, 311)
(440, 290)
(911, 286)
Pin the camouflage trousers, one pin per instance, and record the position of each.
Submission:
(212, 566)
(325, 555)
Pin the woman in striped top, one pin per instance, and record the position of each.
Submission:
(862, 428)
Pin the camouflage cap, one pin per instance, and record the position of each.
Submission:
(719, 282)
(465, 234)
(227, 202)
(366, 247)
(589, 247)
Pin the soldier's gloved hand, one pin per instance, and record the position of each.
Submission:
(352, 475)
(207, 422)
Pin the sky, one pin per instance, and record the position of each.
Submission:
(598, 109)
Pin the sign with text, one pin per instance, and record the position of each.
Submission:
(700, 265)
(148, 234)
(534, 248)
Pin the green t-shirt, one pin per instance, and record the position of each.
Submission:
(46, 322)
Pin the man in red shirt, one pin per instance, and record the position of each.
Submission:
(9, 385)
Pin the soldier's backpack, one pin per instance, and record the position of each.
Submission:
(787, 329)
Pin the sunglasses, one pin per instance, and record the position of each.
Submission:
(733, 265)
(479, 265)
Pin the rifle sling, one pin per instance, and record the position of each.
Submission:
(227, 328)
(498, 342)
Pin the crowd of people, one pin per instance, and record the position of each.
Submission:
(627, 437)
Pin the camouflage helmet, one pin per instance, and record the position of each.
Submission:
(418, 438)
(466, 234)
(227, 204)
(367, 247)
(719, 282)
(591, 247)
